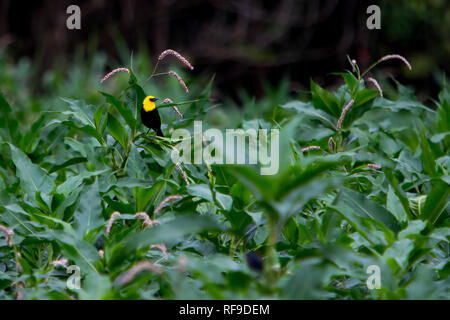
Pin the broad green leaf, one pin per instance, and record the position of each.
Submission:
(67, 163)
(18, 219)
(310, 111)
(117, 131)
(85, 129)
(81, 111)
(437, 201)
(324, 100)
(203, 191)
(98, 116)
(88, 215)
(363, 207)
(8, 122)
(81, 252)
(170, 232)
(32, 177)
(427, 156)
(394, 205)
(400, 252)
(75, 181)
(399, 195)
(126, 113)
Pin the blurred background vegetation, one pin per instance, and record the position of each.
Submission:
(262, 55)
(250, 45)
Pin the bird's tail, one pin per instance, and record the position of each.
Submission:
(159, 132)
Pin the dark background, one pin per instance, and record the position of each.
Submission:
(244, 42)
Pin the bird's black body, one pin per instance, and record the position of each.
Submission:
(152, 120)
(254, 261)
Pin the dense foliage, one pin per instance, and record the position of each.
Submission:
(375, 193)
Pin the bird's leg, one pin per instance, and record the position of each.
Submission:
(147, 132)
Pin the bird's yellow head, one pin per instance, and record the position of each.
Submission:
(149, 103)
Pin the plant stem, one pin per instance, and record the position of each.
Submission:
(272, 266)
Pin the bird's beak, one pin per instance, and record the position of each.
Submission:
(155, 99)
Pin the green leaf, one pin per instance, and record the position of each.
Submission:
(32, 177)
(170, 232)
(84, 115)
(8, 122)
(88, 215)
(81, 111)
(203, 191)
(135, 165)
(17, 218)
(75, 181)
(117, 131)
(67, 163)
(98, 116)
(262, 187)
(126, 113)
(437, 201)
(400, 251)
(95, 287)
(241, 195)
(324, 100)
(135, 95)
(309, 110)
(394, 205)
(362, 207)
(427, 156)
(81, 252)
(350, 80)
(313, 274)
(291, 232)
(86, 129)
(31, 139)
(398, 195)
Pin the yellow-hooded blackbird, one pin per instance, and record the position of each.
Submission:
(150, 116)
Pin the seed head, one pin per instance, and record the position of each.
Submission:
(19, 293)
(344, 111)
(375, 83)
(396, 56)
(165, 201)
(177, 55)
(147, 221)
(331, 144)
(109, 75)
(62, 262)
(173, 73)
(167, 100)
(373, 166)
(9, 233)
(310, 148)
(183, 173)
(138, 267)
(114, 216)
(177, 112)
(161, 247)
